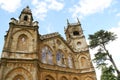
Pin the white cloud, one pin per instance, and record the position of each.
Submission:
(42, 7)
(118, 14)
(10, 5)
(40, 10)
(54, 5)
(87, 7)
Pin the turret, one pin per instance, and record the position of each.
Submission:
(26, 16)
(22, 36)
(75, 37)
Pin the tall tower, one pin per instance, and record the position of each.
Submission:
(75, 37)
(20, 48)
(21, 36)
(76, 40)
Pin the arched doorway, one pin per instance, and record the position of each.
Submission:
(18, 74)
(18, 77)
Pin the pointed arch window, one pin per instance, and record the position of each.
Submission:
(22, 43)
(49, 57)
(46, 55)
(60, 58)
(84, 62)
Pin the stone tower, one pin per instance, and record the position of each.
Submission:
(76, 40)
(75, 37)
(28, 55)
(20, 48)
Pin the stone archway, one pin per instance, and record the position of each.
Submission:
(18, 74)
(63, 78)
(48, 77)
(75, 78)
(18, 77)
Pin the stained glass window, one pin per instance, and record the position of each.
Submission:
(70, 62)
(60, 59)
(43, 55)
(47, 55)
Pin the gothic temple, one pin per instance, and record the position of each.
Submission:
(28, 55)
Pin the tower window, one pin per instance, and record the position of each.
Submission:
(22, 43)
(26, 18)
(76, 33)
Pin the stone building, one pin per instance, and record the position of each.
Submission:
(28, 55)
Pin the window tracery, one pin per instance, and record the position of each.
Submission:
(60, 58)
(70, 64)
(46, 55)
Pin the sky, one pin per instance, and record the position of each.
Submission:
(52, 16)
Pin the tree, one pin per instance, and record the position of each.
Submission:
(99, 40)
(107, 73)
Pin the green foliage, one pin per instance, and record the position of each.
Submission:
(101, 38)
(100, 58)
(107, 73)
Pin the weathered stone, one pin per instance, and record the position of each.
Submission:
(27, 55)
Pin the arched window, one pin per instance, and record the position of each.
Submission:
(60, 59)
(75, 33)
(18, 77)
(25, 17)
(46, 55)
(70, 64)
(49, 57)
(22, 43)
(84, 62)
(43, 55)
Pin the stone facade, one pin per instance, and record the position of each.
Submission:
(27, 55)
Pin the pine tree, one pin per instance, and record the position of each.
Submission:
(99, 40)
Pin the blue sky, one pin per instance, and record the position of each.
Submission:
(52, 16)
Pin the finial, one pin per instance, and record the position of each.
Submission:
(26, 10)
(78, 20)
(67, 22)
(27, 6)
